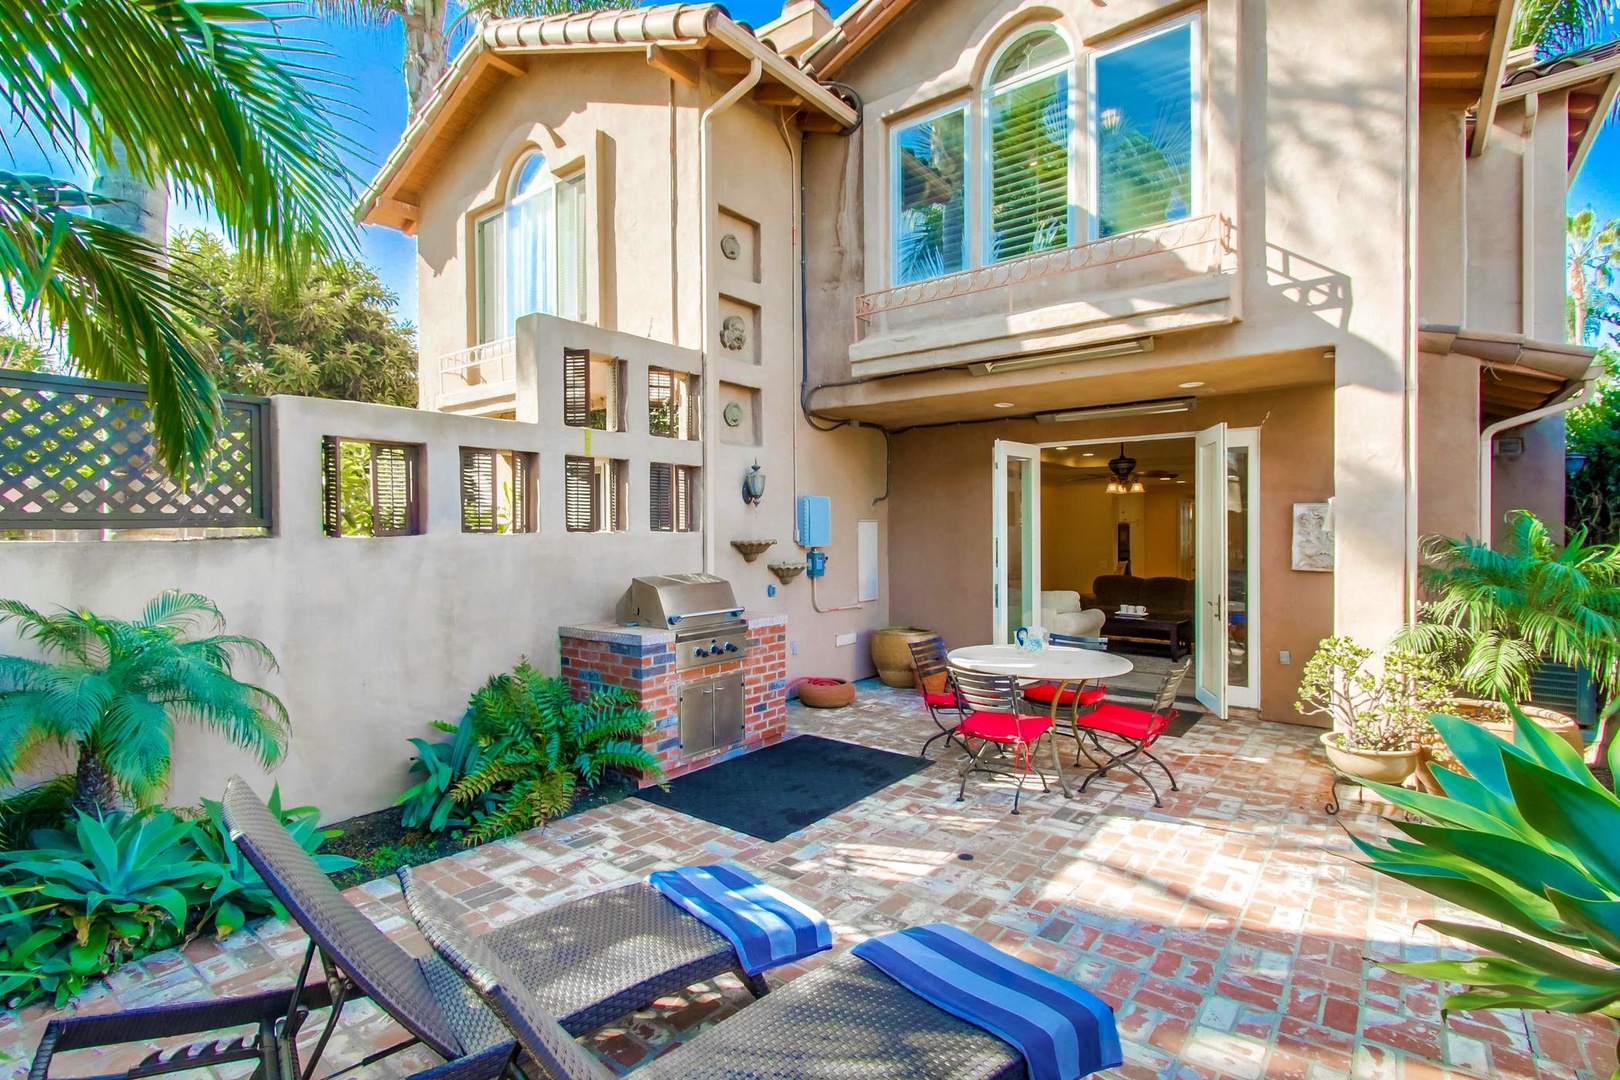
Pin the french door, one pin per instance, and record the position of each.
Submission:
(1016, 538)
(1209, 575)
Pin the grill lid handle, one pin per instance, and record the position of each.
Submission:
(732, 613)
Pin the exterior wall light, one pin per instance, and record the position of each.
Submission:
(753, 485)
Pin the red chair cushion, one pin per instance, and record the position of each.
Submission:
(1135, 724)
(1045, 692)
(1000, 727)
(940, 701)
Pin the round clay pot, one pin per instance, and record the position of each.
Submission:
(891, 654)
(1551, 721)
(1379, 766)
(826, 693)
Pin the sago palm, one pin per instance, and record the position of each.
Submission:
(112, 690)
(429, 28)
(207, 98)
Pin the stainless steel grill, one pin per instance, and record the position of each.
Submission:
(700, 608)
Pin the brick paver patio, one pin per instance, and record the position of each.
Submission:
(1228, 928)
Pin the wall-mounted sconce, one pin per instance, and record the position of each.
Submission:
(753, 485)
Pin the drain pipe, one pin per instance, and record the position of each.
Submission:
(711, 389)
(1490, 433)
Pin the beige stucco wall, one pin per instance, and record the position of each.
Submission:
(941, 525)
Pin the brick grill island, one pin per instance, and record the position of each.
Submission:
(642, 659)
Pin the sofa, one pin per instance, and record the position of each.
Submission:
(1063, 613)
(1169, 598)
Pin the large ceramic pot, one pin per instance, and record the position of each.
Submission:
(1487, 716)
(891, 654)
(1378, 766)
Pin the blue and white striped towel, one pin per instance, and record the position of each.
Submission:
(767, 927)
(1062, 1031)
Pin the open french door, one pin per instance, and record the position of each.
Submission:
(1210, 574)
(1016, 539)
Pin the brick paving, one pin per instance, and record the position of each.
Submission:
(1229, 928)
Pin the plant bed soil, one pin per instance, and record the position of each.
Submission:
(380, 844)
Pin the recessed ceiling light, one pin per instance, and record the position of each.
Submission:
(1060, 447)
(1163, 478)
(1088, 453)
(1195, 384)
(1181, 481)
(1005, 405)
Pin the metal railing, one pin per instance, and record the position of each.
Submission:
(491, 362)
(1214, 229)
(78, 454)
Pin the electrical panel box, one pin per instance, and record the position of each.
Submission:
(815, 521)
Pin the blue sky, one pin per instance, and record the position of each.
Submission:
(370, 60)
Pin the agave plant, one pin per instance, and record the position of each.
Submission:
(118, 690)
(1526, 839)
(539, 742)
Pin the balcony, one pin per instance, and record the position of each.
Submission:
(1178, 276)
(480, 380)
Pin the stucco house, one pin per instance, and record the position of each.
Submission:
(1046, 296)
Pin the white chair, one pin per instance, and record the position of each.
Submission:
(1061, 613)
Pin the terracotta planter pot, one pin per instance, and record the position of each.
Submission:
(1551, 721)
(1379, 766)
(891, 654)
(826, 693)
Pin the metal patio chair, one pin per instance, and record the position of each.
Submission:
(1133, 730)
(994, 718)
(944, 707)
(845, 1019)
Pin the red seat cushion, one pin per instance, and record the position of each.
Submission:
(1136, 724)
(1003, 727)
(940, 701)
(1045, 692)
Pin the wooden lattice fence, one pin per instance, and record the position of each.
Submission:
(78, 454)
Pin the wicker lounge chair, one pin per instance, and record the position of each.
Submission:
(844, 1021)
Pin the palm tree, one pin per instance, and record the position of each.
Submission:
(429, 28)
(1560, 26)
(207, 98)
(115, 696)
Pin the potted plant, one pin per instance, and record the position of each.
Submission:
(1380, 712)
(1491, 615)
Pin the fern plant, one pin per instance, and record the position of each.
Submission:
(540, 742)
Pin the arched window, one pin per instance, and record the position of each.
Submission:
(531, 253)
(1028, 135)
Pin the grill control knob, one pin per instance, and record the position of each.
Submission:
(731, 646)
(700, 651)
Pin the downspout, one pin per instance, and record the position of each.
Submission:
(711, 389)
(1491, 432)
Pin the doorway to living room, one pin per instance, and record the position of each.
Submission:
(1147, 541)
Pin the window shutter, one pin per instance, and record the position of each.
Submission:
(393, 489)
(685, 482)
(692, 415)
(661, 419)
(331, 487)
(660, 498)
(610, 519)
(477, 490)
(1029, 168)
(576, 388)
(578, 482)
(524, 518)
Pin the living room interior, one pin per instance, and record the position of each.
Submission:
(1118, 525)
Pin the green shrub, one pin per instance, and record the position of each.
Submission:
(539, 743)
(428, 804)
(1526, 838)
(46, 805)
(1373, 707)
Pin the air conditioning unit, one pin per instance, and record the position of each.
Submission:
(1508, 446)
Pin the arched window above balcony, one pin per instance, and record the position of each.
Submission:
(531, 252)
(1029, 128)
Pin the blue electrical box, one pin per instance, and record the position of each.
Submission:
(815, 521)
(816, 560)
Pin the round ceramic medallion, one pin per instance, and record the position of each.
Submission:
(729, 246)
(732, 414)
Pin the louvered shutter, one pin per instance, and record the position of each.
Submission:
(579, 477)
(611, 509)
(692, 415)
(1029, 168)
(477, 490)
(660, 500)
(393, 489)
(331, 486)
(524, 518)
(685, 496)
(577, 388)
(661, 419)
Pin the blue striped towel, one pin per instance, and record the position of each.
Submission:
(1062, 1031)
(765, 925)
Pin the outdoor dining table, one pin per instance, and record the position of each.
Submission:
(1070, 669)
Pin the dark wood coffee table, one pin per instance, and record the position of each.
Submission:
(1176, 633)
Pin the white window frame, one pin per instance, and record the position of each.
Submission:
(986, 252)
(970, 163)
(552, 186)
(1199, 73)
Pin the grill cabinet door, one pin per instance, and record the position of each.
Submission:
(697, 718)
(728, 710)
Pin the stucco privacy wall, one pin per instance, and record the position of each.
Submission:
(941, 525)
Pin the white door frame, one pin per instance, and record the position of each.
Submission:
(998, 532)
(1245, 697)
(1211, 628)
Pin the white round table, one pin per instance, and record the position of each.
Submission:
(1069, 668)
